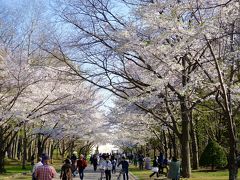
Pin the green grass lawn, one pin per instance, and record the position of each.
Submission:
(196, 175)
(15, 171)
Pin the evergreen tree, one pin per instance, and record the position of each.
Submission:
(213, 155)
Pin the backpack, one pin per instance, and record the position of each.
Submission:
(66, 173)
(84, 164)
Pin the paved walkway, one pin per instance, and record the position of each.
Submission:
(89, 174)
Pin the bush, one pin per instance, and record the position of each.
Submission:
(213, 155)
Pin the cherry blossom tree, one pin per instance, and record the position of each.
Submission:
(37, 91)
(160, 56)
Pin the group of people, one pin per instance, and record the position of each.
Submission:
(108, 163)
(172, 167)
(43, 171)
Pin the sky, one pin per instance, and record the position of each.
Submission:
(105, 148)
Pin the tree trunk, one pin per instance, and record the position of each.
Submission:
(195, 160)
(39, 146)
(232, 157)
(52, 150)
(185, 154)
(175, 151)
(165, 144)
(2, 156)
(2, 153)
(24, 147)
(30, 151)
(19, 148)
(63, 150)
(185, 138)
(15, 147)
(227, 108)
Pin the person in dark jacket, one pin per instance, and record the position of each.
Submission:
(95, 162)
(125, 165)
(66, 171)
(160, 163)
(74, 163)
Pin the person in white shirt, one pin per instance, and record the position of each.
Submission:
(108, 168)
(35, 167)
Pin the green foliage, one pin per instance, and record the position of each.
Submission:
(213, 155)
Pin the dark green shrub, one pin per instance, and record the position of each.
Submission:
(213, 155)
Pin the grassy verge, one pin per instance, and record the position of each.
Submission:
(196, 175)
(15, 171)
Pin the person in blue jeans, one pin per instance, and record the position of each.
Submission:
(81, 165)
(125, 165)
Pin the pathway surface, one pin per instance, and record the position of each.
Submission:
(89, 174)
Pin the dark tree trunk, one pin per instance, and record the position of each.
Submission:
(19, 148)
(2, 152)
(52, 150)
(24, 147)
(185, 138)
(30, 151)
(232, 157)
(39, 146)
(2, 168)
(195, 160)
(165, 144)
(175, 150)
(15, 145)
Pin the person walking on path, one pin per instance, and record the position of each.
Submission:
(114, 163)
(125, 166)
(73, 164)
(81, 165)
(39, 163)
(66, 171)
(95, 162)
(45, 172)
(154, 167)
(108, 168)
(174, 169)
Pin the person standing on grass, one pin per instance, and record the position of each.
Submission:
(174, 169)
(141, 161)
(45, 172)
(81, 165)
(125, 166)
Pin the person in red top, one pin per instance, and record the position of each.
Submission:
(81, 165)
(45, 172)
